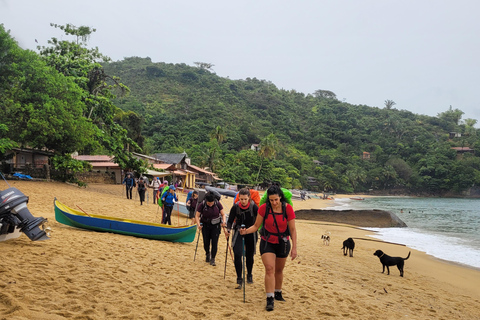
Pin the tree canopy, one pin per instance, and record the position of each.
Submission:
(69, 97)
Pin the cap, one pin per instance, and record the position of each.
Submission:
(172, 187)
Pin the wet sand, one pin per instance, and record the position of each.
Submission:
(80, 274)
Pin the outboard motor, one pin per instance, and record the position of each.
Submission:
(14, 213)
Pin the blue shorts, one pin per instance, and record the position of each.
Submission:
(281, 250)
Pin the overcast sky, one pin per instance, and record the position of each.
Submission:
(424, 55)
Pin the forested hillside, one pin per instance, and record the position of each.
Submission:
(310, 141)
(69, 98)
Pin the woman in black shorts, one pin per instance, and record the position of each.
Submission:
(278, 220)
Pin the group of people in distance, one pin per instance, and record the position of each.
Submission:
(168, 198)
(276, 221)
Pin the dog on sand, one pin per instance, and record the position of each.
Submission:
(388, 261)
(348, 246)
(326, 238)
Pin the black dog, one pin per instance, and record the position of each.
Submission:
(387, 261)
(348, 245)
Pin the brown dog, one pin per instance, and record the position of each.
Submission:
(388, 261)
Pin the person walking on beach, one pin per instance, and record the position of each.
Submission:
(192, 205)
(155, 185)
(278, 220)
(129, 183)
(243, 213)
(141, 188)
(210, 213)
(168, 200)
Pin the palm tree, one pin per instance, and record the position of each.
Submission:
(218, 134)
(389, 104)
(268, 149)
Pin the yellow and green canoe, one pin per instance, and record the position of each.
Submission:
(148, 230)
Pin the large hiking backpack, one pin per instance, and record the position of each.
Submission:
(161, 195)
(254, 195)
(286, 193)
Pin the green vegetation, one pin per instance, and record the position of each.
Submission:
(58, 100)
(66, 99)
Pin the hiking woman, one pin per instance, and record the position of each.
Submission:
(243, 213)
(278, 220)
(155, 185)
(168, 200)
(192, 205)
(210, 214)
(141, 188)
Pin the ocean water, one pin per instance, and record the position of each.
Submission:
(446, 228)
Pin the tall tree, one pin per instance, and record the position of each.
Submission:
(268, 149)
(389, 104)
(76, 60)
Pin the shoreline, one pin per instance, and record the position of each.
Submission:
(93, 275)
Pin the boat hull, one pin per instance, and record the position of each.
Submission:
(155, 231)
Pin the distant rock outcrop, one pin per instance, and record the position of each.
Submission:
(361, 218)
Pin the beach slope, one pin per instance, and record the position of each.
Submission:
(80, 274)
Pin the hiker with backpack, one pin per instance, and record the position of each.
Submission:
(244, 212)
(169, 198)
(155, 185)
(212, 217)
(129, 183)
(192, 199)
(278, 220)
(141, 188)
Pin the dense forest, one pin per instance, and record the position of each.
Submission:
(68, 98)
(309, 141)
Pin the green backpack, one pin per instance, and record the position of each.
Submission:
(288, 197)
(161, 195)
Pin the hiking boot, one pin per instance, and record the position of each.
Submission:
(249, 278)
(269, 306)
(207, 259)
(278, 296)
(239, 284)
(212, 262)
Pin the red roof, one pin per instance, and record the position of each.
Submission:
(97, 158)
(163, 166)
(200, 169)
(104, 164)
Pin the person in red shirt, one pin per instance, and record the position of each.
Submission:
(278, 220)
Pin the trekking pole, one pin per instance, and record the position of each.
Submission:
(229, 247)
(243, 258)
(226, 259)
(197, 243)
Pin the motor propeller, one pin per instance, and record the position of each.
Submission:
(14, 213)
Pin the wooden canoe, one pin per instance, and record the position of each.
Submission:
(148, 230)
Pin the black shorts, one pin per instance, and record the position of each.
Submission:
(281, 249)
(191, 213)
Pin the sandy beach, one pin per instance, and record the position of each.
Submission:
(80, 274)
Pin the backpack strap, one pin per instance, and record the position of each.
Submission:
(279, 234)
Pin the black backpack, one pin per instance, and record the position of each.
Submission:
(141, 185)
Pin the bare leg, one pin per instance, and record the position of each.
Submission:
(269, 263)
(279, 265)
